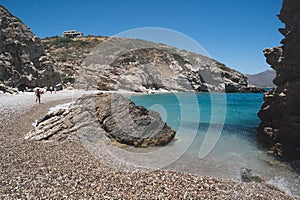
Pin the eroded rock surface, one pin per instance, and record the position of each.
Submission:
(280, 113)
(110, 114)
(23, 62)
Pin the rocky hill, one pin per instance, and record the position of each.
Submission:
(107, 63)
(128, 64)
(23, 62)
(263, 79)
(280, 113)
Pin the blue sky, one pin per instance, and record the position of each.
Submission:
(233, 32)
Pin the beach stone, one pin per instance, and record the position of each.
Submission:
(108, 114)
(247, 176)
(280, 113)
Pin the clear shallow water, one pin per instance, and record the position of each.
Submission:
(230, 121)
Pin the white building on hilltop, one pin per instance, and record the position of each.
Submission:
(72, 33)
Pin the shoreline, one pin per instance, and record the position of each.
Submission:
(66, 169)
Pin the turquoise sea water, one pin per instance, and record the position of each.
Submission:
(240, 109)
(219, 134)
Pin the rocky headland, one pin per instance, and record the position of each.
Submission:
(23, 62)
(142, 66)
(280, 113)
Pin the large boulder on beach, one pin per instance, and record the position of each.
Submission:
(104, 114)
(23, 62)
(280, 113)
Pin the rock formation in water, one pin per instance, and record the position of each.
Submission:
(105, 114)
(280, 113)
(23, 62)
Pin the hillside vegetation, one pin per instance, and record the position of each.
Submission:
(69, 53)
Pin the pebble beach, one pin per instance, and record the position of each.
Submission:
(67, 170)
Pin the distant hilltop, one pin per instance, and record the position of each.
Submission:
(263, 79)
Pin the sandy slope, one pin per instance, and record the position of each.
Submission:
(59, 170)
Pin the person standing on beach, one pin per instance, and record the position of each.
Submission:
(37, 96)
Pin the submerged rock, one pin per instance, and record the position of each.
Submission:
(280, 113)
(110, 114)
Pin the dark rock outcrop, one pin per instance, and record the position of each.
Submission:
(110, 114)
(280, 113)
(23, 62)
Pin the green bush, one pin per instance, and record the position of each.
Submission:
(223, 67)
(68, 80)
(60, 42)
(181, 61)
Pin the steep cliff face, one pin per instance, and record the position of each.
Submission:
(280, 113)
(22, 58)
